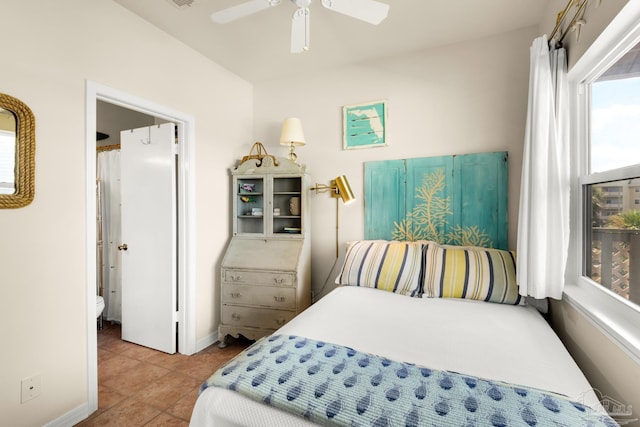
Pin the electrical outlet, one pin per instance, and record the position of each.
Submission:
(30, 388)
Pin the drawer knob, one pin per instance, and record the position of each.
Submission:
(234, 278)
(281, 322)
(278, 280)
(235, 316)
(235, 294)
(279, 299)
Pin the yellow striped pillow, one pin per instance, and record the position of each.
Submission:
(387, 265)
(470, 272)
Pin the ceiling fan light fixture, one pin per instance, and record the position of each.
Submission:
(371, 11)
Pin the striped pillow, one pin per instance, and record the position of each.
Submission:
(381, 264)
(470, 272)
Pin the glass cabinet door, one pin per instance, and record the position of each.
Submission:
(250, 205)
(287, 205)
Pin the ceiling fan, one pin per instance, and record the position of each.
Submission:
(370, 11)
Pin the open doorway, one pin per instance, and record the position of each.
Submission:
(185, 125)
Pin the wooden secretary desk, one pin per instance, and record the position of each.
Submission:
(266, 278)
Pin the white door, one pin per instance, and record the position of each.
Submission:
(148, 248)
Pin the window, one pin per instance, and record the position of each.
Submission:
(614, 314)
(608, 189)
(611, 242)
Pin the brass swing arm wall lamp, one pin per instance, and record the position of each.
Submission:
(339, 188)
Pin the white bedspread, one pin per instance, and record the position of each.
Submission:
(493, 341)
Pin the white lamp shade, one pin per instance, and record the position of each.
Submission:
(292, 132)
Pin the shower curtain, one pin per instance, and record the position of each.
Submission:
(109, 185)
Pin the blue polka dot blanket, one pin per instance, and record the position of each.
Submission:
(334, 385)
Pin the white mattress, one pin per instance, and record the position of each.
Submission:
(493, 341)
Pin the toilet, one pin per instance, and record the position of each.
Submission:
(99, 309)
(99, 305)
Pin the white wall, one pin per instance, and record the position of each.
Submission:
(464, 98)
(51, 49)
(607, 366)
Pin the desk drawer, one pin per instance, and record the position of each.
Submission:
(258, 277)
(265, 296)
(264, 318)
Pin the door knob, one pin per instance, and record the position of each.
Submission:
(122, 247)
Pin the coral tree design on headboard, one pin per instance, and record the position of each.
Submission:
(428, 218)
(455, 200)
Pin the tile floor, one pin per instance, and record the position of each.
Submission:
(138, 386)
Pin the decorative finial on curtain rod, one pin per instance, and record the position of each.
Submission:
(558, 34)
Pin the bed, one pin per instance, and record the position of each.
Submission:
(461, 340)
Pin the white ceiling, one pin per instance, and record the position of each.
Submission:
(257, 47)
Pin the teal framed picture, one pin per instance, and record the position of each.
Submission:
(364, 125)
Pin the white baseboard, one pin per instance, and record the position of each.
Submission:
(206, 341)
(72, 417)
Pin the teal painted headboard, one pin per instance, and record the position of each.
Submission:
(458, 200)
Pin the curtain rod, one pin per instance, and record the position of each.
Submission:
(107, 147)
(581, 5)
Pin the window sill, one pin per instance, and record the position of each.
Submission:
(618, 320)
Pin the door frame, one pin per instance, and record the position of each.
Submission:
(185, 226)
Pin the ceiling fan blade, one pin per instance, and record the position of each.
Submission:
(370, 11)
(242, 10)
(300, 30)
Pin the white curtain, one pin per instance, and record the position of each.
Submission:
(543, 222)
(109, 177)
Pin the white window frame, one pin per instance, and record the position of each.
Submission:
(615, 316)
